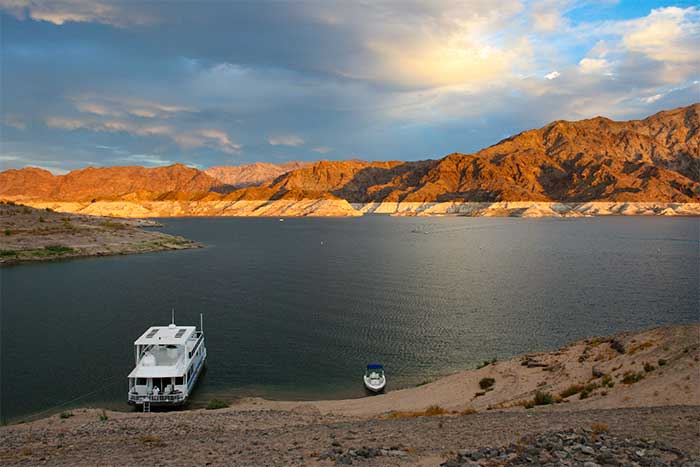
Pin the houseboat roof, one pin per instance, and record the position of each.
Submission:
(166, 335)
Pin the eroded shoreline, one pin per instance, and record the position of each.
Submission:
(342, 208)
(29, 234)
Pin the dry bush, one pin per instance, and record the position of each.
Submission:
(432, 411)
(600, 428)
(571, 390)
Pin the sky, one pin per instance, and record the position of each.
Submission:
(205, 83)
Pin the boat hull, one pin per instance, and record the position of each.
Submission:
(375, 387)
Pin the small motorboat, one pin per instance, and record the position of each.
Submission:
(374, 378)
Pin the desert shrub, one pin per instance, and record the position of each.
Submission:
(630, 377)
(103, 416)
(486, 383)
(486, 363)
(65, 415)
(41, 219)
(641, 346)
(58, 249)
(434, 410)
(617, 345)
(8, 253)
(662, 362)
(215, 404)
(8, 232)
(607, 381)
(468, 411)
(571, 390)
(648, 367)
(543, 398)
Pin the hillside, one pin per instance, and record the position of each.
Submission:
(241, 176)
(105, 183)
(653, 163)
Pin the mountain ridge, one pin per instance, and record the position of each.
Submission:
(655, 159)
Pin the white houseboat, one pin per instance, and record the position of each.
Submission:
(169, 360)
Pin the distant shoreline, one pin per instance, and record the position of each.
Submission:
(341, 208)
(32, 235)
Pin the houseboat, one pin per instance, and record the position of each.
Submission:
(169, 360)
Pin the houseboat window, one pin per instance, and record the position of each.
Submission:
(140, 381)
(178, 380)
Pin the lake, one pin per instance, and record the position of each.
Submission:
(296, 309)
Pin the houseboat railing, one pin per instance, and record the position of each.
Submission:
(138, 398)
(196, 345)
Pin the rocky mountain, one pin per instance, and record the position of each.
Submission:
(655, 160)
(131, 182)
(241, 176)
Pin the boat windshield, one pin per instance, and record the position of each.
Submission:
(374, 371)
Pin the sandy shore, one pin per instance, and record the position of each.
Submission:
(29, 234)
(632, 386)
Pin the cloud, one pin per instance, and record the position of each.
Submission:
(418, 78)
(118, 106)
(667, 34)
(209, 138)
(65, 123)
(322, 149)
(593, 65)
(286, 140)
(547, 16)
(203, 137)
(60, 12)
(652, 99)
(15, 122)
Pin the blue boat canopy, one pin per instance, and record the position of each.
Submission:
(375, 366)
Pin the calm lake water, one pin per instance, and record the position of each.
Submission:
(295, 309)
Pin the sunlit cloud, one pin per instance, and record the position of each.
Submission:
(552, 75)
(60, 12)
(667, 34)
(205, 137)
(593, 65)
